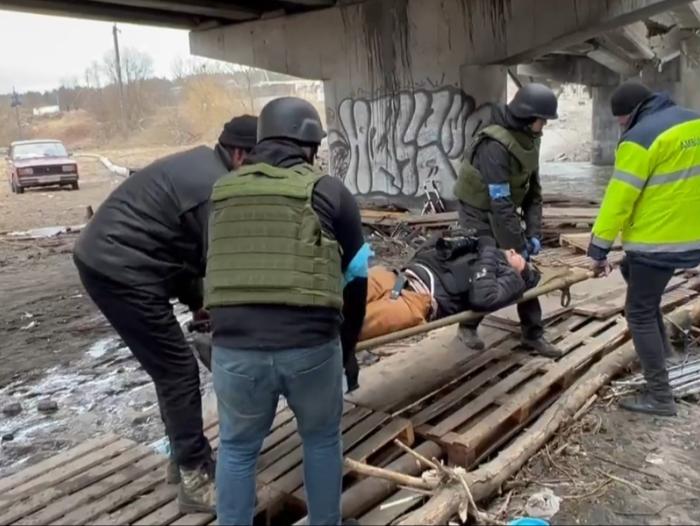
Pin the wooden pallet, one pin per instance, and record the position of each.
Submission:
(505, 389)
(111, 480)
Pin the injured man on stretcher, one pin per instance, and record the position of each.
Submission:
(449, 274)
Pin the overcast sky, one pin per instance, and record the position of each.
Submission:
(39, 51)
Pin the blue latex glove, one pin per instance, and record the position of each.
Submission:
(534, 246)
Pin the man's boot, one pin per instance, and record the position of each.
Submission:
(650, 403)
(541, 347)
(172, 472)
(469, 338)
(196, 493)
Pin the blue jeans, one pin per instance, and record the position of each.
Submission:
(248, 385)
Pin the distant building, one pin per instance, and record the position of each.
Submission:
(46, 110)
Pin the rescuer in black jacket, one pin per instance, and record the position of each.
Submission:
(145, 245)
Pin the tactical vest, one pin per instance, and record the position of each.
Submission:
(266, 244)
(453, 269)
(524, 163)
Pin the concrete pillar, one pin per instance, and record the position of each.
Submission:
(606, 131)
(689, 90)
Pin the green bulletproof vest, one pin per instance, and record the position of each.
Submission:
(266, 245)
(524, 163)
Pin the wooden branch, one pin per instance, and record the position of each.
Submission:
(417, 456)
(486, 480)
(393, 476)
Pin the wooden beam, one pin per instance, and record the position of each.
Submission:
(207, 8)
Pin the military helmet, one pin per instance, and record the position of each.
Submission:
(290, 118)
(534, 101)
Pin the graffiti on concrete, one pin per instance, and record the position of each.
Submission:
(391, 144)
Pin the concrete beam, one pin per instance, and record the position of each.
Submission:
(548, 25)
(605, 57)
(570, 69)
(208, 8)
(110, 13)
(635, 36)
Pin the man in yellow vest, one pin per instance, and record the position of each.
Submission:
(653, 201)
(499, 190)
(286, 288)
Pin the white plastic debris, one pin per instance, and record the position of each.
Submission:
(654, 459)
(543, 504)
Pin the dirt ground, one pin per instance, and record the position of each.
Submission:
(615, 467)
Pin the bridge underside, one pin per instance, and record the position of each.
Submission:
(408, 81)
(185, 14)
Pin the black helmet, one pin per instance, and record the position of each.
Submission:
(290, 118)
(534, 101)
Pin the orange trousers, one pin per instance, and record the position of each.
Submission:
(385, 315)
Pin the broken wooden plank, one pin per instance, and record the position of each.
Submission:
(64, 472)
(448, 401)
(69, 503)
(89, 511)
(42, 467)
(292, 456)
(492, 424)
(484, 400)
(392, 508)
(49, 496)
(142, 506)
(163, 515)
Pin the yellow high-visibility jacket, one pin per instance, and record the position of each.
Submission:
(653, 198)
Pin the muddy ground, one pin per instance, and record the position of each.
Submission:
(614, 467)
(56, 346)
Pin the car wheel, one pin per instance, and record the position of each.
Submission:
(19, 189)
(75, 186)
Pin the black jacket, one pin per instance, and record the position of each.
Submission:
(480, 281)
(492, 160)
(277, 327)
(151, 231)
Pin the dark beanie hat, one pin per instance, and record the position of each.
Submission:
(240, 132)
(627, 97)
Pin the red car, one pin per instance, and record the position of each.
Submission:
(40, 163)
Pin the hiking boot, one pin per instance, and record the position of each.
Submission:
(469, 338)
(541, 347)
(647, 403)
(172, 472)
(196, 493)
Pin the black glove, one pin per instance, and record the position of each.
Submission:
(352, 373)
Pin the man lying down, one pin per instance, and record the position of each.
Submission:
(449, 274)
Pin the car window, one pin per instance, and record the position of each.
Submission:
(37, 150)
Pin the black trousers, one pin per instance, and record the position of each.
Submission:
(530, 312)
(645, 286)
(145, 321)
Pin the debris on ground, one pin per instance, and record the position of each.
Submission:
(543, 504)
(47, 406)
(12, 409)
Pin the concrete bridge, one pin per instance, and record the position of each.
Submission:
(407, 81)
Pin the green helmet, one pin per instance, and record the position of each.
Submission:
(290, 118)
